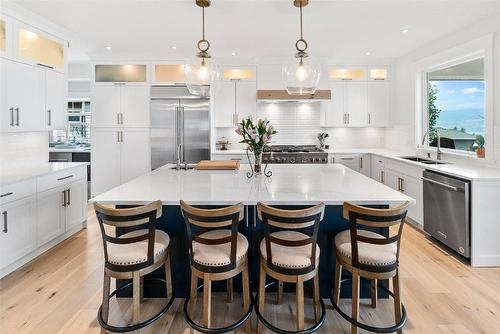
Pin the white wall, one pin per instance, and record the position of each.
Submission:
(299, 123)
(23, 149)
(402, 135)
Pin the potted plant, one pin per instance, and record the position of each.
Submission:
(480, 151)
(256, 136)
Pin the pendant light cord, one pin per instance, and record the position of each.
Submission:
(203, 22)
(301, 20)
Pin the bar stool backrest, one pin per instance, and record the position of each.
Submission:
(359, 216)
(198, 221)
(130, 217)
(282, 219)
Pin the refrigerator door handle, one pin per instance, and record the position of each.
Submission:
(182, 141)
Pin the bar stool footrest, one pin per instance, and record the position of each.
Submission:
(124, 329)
(366, 327)
(230, 328)
(278, 330)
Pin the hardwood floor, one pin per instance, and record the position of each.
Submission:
(60, 292)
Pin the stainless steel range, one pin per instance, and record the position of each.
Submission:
(295, 154)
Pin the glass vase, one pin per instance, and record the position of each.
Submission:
(257, 166)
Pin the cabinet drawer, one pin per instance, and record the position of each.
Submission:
(17, 190)
(60, 178)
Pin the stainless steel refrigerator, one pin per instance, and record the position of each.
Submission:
(180, 126)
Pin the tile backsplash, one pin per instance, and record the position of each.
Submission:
(299, 123)
(23, 149)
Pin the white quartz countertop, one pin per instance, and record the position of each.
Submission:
(290, 184)
(462, 170)
(71, 150)
(12, 175)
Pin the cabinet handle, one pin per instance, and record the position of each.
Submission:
(347, 79)
(118, 118)
(361, 162)
(121, 118)
(235, 119)
(69, 196)
(118, 136)
(369, 118)
(121, 136)
(50, 117)
(11, 116)
(64, 198)
(382, 176)
(345, 118)
(6, 194)
(5, 223)
(348, 118)
(64, 177)
(402, 185)
(17, 116)
(46, 66)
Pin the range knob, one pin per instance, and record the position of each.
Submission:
(323, 160)
(317, 159)
(292, 160)
(311, 159)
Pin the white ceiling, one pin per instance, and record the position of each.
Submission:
(259, 28)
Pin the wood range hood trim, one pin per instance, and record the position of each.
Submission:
(282, 95)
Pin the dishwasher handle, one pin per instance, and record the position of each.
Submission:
(443, 184)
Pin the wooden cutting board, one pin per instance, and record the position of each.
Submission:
(218, 165)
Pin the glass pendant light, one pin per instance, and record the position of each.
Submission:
(301, 73)
(200, 70)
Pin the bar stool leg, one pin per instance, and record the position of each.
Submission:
(336, 284)
(105, 300)
(168, 277)
(141, 297)
(229, 287)
(279, 298)
(193, 293)
(300, 303)
(374, 295)
(262, 296)
(207, 300)
(316, 296)
(397, 300)
(355, 302)
(136, 283)
(246, 296)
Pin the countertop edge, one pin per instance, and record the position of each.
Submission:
(42, 173)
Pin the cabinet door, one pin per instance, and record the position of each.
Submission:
(414, 188)
(333, 111)
(355, 103)
(135, 106)
(106, 106)
(56, 97)
(50, 213)
(135, 154)
(365, 164)
(224, 103)
(378, 104)
(23, 97)
(17, 235)
(105, 158)
(77, 200)
(246, 99)
(377, 168)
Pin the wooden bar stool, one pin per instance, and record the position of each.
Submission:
(132, 256)
(370, 255)
(288, 255)
(216, 253)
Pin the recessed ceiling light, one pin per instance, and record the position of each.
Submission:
(108, 47)
(405, 31)
(233, 53)
(367, 53)
(174, 47)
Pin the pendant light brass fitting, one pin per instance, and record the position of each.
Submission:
(203, 3)
(300, 3)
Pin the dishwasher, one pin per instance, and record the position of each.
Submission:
(447, 210)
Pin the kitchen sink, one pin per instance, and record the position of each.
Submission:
(424, 161)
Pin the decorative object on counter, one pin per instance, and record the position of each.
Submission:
(218, 165)
(200, 70)
(256, 136)
(301, 76)
(480, 151)
(321, 137)
(223, 143)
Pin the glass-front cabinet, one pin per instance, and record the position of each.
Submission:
(121, 73)
(3, 37)
(40, 49)
(347, 74)
(169, 74)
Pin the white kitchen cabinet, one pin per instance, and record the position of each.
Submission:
(22, 97)
(106, 106)
(365, 164)
(18, 235)
(413, 187)
(76, 208)
(234, 97)
(355, 104)
(134, 106)
(56, 97)
(378, 103)
(246, 99)
(118, 155)
(377, 168)
(224, 96)
(332, 112)
(349, 160)
(50, 214)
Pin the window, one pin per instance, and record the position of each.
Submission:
(456, 106)
(78, 124)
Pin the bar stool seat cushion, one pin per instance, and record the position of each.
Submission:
(137, 252)
(370, 254)
(287, 256)
(218, 255)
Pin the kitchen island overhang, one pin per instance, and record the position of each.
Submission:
(291, 186)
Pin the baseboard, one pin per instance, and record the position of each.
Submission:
(40, 250)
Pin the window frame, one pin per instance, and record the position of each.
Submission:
(479, 48)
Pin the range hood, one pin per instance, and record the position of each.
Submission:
(282, 95)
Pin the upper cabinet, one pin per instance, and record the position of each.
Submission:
(121, 74)
(40, 50)
(347, 74)
(3, 36)
(169, 74)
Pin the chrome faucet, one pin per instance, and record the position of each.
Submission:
(439, 154)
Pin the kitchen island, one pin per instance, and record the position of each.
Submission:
(290, 186)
